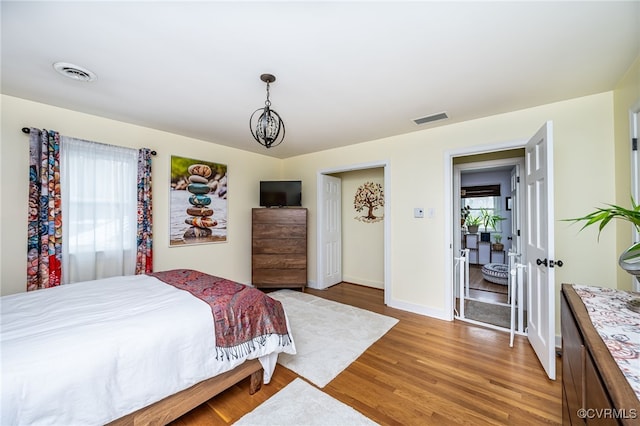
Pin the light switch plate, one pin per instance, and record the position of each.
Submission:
(418, 212)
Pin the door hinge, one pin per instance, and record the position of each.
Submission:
(518, 233)
(518, 179)
(634, 144)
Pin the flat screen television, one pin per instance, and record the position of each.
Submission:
(280, 193)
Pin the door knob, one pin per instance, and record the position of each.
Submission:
(541, 262)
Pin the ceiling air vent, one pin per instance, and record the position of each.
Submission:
(74, 72)
(430, 118)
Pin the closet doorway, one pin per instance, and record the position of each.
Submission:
(329, 226)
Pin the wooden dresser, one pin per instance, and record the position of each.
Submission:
(594, 389)
(279, 248)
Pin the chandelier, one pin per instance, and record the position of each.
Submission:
(267, 128)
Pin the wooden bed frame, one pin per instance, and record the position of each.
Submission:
(174, 406)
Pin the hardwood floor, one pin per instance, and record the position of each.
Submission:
(483, 290)
(423, 371)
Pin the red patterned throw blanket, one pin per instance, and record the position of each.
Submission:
(243, 316)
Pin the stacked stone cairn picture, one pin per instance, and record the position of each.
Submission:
(200, 214)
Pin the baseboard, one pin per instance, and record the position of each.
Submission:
(363, 281)
(417, 309)
(312, 284)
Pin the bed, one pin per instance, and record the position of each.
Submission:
(134, 350)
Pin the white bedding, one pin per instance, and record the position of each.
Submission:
(67, 361)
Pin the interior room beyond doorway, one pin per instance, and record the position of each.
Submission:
(485, 191)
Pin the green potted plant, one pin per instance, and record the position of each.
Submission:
(464, 214)
(629, 260)
(497, 245)
(473, 223)
(489, 220)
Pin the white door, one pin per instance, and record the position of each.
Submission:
(539, 242)
(330, 236)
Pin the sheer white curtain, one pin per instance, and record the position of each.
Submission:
(99, 206)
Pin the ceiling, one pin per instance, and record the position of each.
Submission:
(347, 72)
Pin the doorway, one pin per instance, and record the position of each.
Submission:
(535, 268)
(363, 227)
(329, 235)
(488, 188)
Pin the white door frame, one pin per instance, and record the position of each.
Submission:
(479, 166)
(385, 164)
(449, 201)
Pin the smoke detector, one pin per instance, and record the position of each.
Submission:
(74, 72)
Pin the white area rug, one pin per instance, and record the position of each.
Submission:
(299, 403)
(328, 335)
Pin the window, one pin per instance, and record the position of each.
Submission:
(489, 204)
(484, 198)
(99, 207)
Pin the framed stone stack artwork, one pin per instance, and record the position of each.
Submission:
(198, 202)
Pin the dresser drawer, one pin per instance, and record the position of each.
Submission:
(279, 246)
(291, 216)
(279, 261)
(279, 276)
(278, 230)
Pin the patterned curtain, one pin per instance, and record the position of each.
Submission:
(144, 255)
(44, 243)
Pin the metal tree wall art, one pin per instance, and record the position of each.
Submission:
(369, 196)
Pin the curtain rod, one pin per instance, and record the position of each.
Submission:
(26, 130)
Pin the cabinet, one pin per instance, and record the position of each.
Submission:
(497, 256)
(279, 248)
(480, 252)
(591, 378)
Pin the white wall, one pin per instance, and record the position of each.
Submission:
(584, 177)
(231, 259)
(362, 242)
(626, 100)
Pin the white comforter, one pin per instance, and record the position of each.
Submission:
(91, 352)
